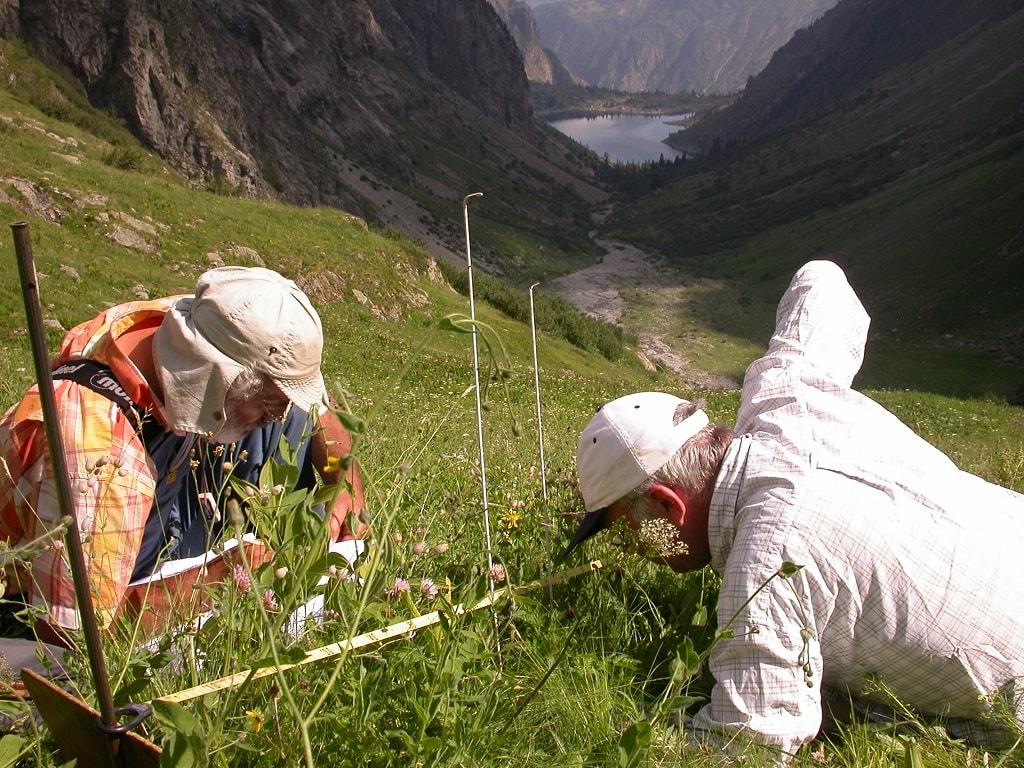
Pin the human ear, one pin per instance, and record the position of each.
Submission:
(671, 502)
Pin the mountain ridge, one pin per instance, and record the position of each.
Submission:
(845, 49)
(670, 45)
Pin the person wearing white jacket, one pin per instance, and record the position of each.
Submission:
(910, 574)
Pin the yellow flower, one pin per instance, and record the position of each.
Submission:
(333, 464)
(512, 520)
(255, 720)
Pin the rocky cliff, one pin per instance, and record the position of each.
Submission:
(707, 46)
(542, 64)
(285, 97)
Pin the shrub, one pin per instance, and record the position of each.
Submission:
(554, 315)
(124, 157)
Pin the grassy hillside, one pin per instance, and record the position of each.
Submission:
(576, 681)
(913, 182)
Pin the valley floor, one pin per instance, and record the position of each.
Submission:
(636, 291)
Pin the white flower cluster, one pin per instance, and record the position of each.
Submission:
(659, 538)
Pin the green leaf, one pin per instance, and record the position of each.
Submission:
(700, 616)
(788, 569)
(430, 745)
(633, 743)
(352, 423)
(184, 741)
(689, 659)
(912, 755)
(10, 750)
(455, 322)
(13, 708)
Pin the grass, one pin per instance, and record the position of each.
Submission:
(576, 678)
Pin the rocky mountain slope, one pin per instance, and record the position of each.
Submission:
(852, 45)
(542, 65)
(350, 103)
(705, 46)
(889, 137)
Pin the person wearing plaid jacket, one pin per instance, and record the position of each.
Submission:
(858, 562)
(169, 386)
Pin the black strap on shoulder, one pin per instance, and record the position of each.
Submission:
(100, 379)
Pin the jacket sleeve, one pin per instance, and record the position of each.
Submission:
(820, 322)
(768, 675)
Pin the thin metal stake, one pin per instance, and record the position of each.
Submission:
(73, 540)
(540, 435)
(479, 409)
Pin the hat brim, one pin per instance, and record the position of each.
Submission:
(306, 394)
(593, 523)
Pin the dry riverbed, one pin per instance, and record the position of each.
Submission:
(598, 291)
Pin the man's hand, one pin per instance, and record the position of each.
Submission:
(330, 446)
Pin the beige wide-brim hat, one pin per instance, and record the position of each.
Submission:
(240, 319)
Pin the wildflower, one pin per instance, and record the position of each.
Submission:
(270, 601)
(227, 466)
(332, 571)
(277, 490)
(218, 450)
(193, 464)
(428, 589)
(420, 533)
(397, 536)
(419, 547)
(331, 615)
(497, 573)
(401, 588)
(255, 720)
(512, 520)
(235, 515)
(242, 581)
(243, 456)
(441, 548)
(281, 572)
(333, 464)
(659, 538)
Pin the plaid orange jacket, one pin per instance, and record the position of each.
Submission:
(112, 480)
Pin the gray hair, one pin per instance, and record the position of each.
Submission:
(248, 385)
(693, 468)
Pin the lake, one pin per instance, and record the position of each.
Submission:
(626, 138)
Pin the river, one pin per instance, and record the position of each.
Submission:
(625, 138)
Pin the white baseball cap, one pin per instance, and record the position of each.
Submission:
(240, 319)
(626, 442)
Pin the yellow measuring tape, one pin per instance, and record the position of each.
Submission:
(373, 638)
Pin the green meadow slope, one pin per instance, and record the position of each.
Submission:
(576, 681)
